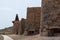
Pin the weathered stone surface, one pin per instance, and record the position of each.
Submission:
(50, 15)
(31, 24)
(23, 22)
(17, 25)
(33, 19)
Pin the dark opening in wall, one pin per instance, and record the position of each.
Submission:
(54, 32)
(16, 32)
(30, 32)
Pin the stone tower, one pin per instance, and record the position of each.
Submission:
(33, 20)
(50, 19)
(16, 25)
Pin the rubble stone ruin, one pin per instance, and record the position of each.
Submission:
(50, 21)
(16, 25)
(30, 25)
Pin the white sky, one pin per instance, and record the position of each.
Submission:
(9, 9)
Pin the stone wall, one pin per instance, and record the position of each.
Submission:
(50, 15)
(19, 26)
(16, 27)
(33, 18)
(29, 25)
(23, 22)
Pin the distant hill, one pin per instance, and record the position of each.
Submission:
(8, 30)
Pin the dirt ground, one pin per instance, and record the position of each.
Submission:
(1, 38)
(34, 37)
(22, 37)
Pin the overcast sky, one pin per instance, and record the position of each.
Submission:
(9, 9)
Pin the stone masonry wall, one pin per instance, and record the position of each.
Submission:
(33, 18)
(50, 15)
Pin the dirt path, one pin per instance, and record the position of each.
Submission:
(34, 37)
(6, 37)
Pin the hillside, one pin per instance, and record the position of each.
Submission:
(6, 30)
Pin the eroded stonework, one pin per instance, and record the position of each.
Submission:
(30, 25)
(33, 20)
(50, 15)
